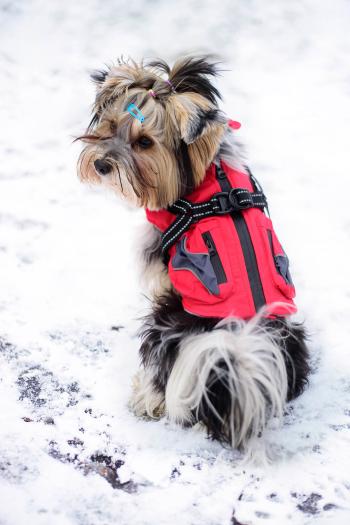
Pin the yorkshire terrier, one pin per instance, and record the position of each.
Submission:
(219, 346)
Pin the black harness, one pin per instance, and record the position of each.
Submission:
(221, 203)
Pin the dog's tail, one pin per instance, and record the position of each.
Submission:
(232, 379)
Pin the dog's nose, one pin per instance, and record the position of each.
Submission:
(102, 167)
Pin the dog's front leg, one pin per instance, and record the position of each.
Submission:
(146, 399)
(153, 272)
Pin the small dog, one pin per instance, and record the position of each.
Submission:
(219, 346)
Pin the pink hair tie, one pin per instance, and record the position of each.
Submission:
(152, 93)
(170, 84)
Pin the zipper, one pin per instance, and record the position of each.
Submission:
(246, 245)
(214, 258)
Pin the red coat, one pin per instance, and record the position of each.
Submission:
(217, 269)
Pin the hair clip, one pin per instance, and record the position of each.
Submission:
(135, 112)
(152, 93)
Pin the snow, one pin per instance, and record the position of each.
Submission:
(71, 453)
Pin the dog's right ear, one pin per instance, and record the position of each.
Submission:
(98, 77)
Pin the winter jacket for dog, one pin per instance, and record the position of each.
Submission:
(223, 255)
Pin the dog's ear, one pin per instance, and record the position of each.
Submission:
(200, 125)
(194, 97)
(98, 77)
(194, 116)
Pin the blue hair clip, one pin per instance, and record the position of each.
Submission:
(135, 112)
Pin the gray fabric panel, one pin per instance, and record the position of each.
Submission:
(282, 264)
(197, 263)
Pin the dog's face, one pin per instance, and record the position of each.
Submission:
(154, 162)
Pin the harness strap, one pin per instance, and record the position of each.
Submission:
(257, 186)
(221, 203)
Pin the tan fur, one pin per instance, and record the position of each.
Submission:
(154, 277)
(203, 150)
(147, 177)
(145, 400)
(86, 168)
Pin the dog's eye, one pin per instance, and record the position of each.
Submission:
(144, 142)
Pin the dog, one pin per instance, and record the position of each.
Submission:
(212, 352)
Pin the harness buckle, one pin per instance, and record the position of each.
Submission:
(240, 199)
(235, 200)
(223, 200)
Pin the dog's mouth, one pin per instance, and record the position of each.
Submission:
(113, 164)
(117, 176)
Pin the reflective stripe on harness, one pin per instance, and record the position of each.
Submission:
(221, 203)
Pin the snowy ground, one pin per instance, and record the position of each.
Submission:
(70, 451)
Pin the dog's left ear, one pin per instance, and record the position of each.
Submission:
(194, 116)
(194, 97)
(204, 144)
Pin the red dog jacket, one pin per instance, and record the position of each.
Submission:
(223, 255)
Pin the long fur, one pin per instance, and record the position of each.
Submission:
(245, 366)
(145, 400)
(230, 375)
(154, 278)
(185, 127)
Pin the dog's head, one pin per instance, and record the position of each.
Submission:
(154, 129)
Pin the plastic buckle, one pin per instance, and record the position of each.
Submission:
(223, 200)
(236, 200)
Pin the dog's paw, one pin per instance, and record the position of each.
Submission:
(145, 401)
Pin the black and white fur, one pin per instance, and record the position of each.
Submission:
(230, 375)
